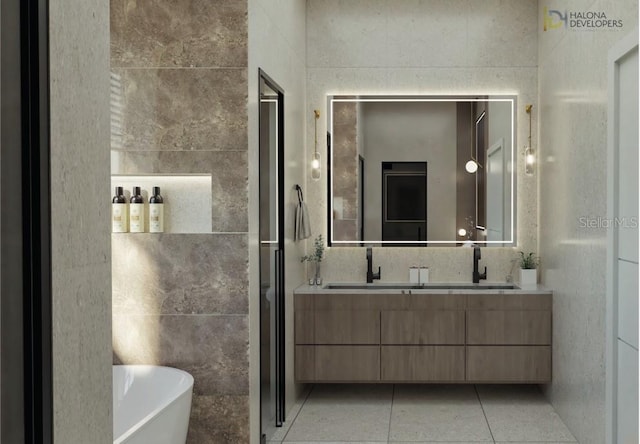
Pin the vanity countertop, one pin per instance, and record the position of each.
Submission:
(320, 289)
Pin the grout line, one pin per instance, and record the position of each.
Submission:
(393, 394)
(475, 387)
(292, 415)
(293, 421)
(157, 68)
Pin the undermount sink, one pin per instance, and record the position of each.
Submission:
(434, 286)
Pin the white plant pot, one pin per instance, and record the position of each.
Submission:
(528, 277)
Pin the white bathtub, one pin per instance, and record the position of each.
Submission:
(151, 404)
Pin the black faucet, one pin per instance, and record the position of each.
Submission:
(370, 274)
(476, 258)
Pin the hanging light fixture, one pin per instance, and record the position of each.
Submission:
(471, 166)
(315, 160)
(529, 152)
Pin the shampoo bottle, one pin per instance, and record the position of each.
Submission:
(156, 212)
(136, 212)
(119, 214)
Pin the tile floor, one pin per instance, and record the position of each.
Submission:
(456, 414)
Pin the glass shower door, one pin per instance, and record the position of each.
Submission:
(271, 258)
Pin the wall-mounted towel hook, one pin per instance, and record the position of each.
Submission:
(300, 197)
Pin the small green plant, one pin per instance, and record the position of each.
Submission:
(318, 251)
(528, 261)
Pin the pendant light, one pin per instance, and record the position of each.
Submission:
(529, 152)
(471, 166)
(315, 160)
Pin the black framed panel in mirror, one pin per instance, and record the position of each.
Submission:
(446, 164)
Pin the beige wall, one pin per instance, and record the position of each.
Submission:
(80, 240)
(182, 299)
(573, 159)
(427, 47)
(277, 46)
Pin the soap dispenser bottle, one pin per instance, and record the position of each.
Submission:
(156, 212)
(136, 211)
(119, 212)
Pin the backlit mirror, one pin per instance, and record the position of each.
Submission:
(421, 170)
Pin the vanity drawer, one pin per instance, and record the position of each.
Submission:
(409, 363)
(337, 327)
(347, 327)
(509, 301)
(422, 327)
(337, 363)
(509, 327)
(504, 364)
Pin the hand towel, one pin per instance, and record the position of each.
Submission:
(302, 224)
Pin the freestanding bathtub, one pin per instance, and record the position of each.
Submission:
(151, 404)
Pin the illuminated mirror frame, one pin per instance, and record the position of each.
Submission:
(511, 169)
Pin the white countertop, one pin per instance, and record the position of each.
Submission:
(388, 288)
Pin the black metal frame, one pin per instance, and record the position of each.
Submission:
(26, 221)
(36, 222)
(280, 254)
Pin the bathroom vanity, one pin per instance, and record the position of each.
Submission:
(389, 335)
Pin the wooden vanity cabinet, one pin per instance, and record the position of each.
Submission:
(508, 338)
(463, 338)
(422, 345)
(337, 338)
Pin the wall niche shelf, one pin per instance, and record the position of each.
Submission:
(187, 198)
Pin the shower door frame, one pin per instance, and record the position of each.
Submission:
(25, 296)
(279, 297)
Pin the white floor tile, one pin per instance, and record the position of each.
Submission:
(337, 442)
(281, 432)
(521, 414)
(343, 413)
(437, 413)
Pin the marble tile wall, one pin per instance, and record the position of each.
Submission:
(182, 299)
(80, 240)
(573, 184)
(424, 47)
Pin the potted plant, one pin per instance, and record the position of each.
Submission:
(316, 258)
(528, 272)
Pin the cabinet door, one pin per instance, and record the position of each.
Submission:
(423, 327)
(337, 363)
(422, 363)
(347, 327)
(509, 364)
(305, 363)
(509, 327)
(304, 326)
(627, 423)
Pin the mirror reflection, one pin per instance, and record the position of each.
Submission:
(408, 171)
